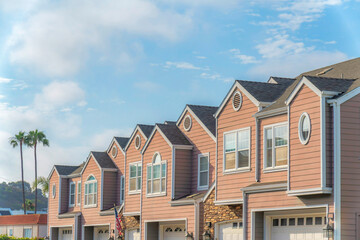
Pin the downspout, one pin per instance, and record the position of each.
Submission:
(257, 167)
(337, 172)
(244, 216)
(141, 192)
(216, 157)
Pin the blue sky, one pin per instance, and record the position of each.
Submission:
(84, 71)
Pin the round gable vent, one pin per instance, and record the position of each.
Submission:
(137, 142)
(187, 123)
(114, 151)
(237, 101)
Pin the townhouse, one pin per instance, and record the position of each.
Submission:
(276, 160)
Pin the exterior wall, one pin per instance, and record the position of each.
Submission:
(203, 144)
(119, 161)
(305, 160)
(132, 201)
(229, 120)
(76, 206)
(110, 189)
(270, 176)
(217, 214)
(18, 230)
(158, 208)
(350, 167)
(64, 202)
(329, 146)
(183, 168)
(279, 199)
(53, 203)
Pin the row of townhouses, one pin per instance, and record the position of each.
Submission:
(275, 160)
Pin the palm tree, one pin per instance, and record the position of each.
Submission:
(33, 138)
(44, 183)
(18, 140)
(28, 204)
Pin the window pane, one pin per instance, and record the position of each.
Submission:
(283, 222)
(91, 188)
(281, 156)
(318, 220)
(230, 142)
(203, 179)
(148, 186)
(243, 158)
(275, 222)
(291, 221)
(133, 171)
(163, 169)
(280, 136)
(157, 158)
(91, 178)
(95, 187)
(149, 172)
(72, 199)
(230, 161)
(156, 186)
(91, 199)
(132, 184)
(139, 170)
(204, 163)
(305, 124)
(309, 221)
(86, 189)
(163, 182)
(139, 183)
(300, 221)
(243, 140)
(156, 171)
(268, 133)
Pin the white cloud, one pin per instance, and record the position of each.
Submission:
(43, 41)
(183, 65)
(102, 140)
(148, 86)
(5, 80)
(200, 57)
(2, 96)
(216, 76)
(244, 59)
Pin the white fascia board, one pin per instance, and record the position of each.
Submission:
(209, 192)
(152, 135)
(133, 135)
(87, 162)
(303, 81)
(346, 96)
(112, 142)
(51, 172)
(312, 191)
(229, 202)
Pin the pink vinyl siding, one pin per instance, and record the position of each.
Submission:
(119, 161)
(64, 195)
(229, 120)
(305, 160)
(110, 190)
(203, 144)
(182, 172)
(350, 166)
(75, 207)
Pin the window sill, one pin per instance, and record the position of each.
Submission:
(90, 206)
(134, 192)
(234, 171)
(155, 195)
(275, 169)
(202, 188)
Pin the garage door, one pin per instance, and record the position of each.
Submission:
(231, 231)
(174, 232)
(101, 233)
(298, 228)
(65, 234)
(133, 235)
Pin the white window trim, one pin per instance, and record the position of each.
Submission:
(278, 168)
(236, 170)
(122, 182)
(116, 151)
(78, 202)
(189, 117)
(151, 164)
(205, 187)
(72, 183)
(137, 137)
(232, 100)
(52, 190)
(137, 191)
(87, 183)
(302, 140)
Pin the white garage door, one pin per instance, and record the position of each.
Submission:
(231, 231)
(298, 228)
(65, 234)
(174, 232)
(133, 235)
(101, 233)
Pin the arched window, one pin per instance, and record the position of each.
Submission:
(156, 175)
(90, 191)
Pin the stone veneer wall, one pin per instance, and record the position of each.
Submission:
(216, 214)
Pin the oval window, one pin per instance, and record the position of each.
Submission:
(187, 123)
(304, 128)
(237, 101)
(137, 142)
(114, 151)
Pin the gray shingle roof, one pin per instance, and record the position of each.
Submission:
(65, 170)
(283, 80)
(206, 116)
(147, 129)
(122, 141)
(173, 134)
(331, 84)
(103, 159)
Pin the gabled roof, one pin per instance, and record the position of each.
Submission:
(65, 170)
(204, 115)
(103, 159)
(30, 219)
(281, 80)
(145, 130)
(122, 141)
(331, 84)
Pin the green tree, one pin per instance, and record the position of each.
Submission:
(44, 184)
(29, 205)
(19, 140)
(33, 139)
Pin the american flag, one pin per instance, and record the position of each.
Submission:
(118, 222)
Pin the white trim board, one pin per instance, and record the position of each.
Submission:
(137, 128)
(112, 142)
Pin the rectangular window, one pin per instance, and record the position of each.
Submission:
(90, 193)
(237, 150)
(156, 178)
(79, 193)
(276, 146)
(122, 189)
(11, 233)
(203, 171)
(135, 177)
(72, 194)
(27, 233)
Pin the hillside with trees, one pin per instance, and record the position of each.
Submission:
(11, 195)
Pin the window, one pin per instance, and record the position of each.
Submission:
(237, 101)
(237, 150)
(90, 197)
(137, 142)
(275, 146)
(11, 233)
(54, 190)
(27, 233)
(135, 177)
(304, 128)
(156, 176)
(79, 193)
(114, 151)
(187, 123)
(122, 188)
(203, 171)
(72, 194)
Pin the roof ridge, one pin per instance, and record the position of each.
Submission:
(248, 81)
(347, 79)
(196, 105)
